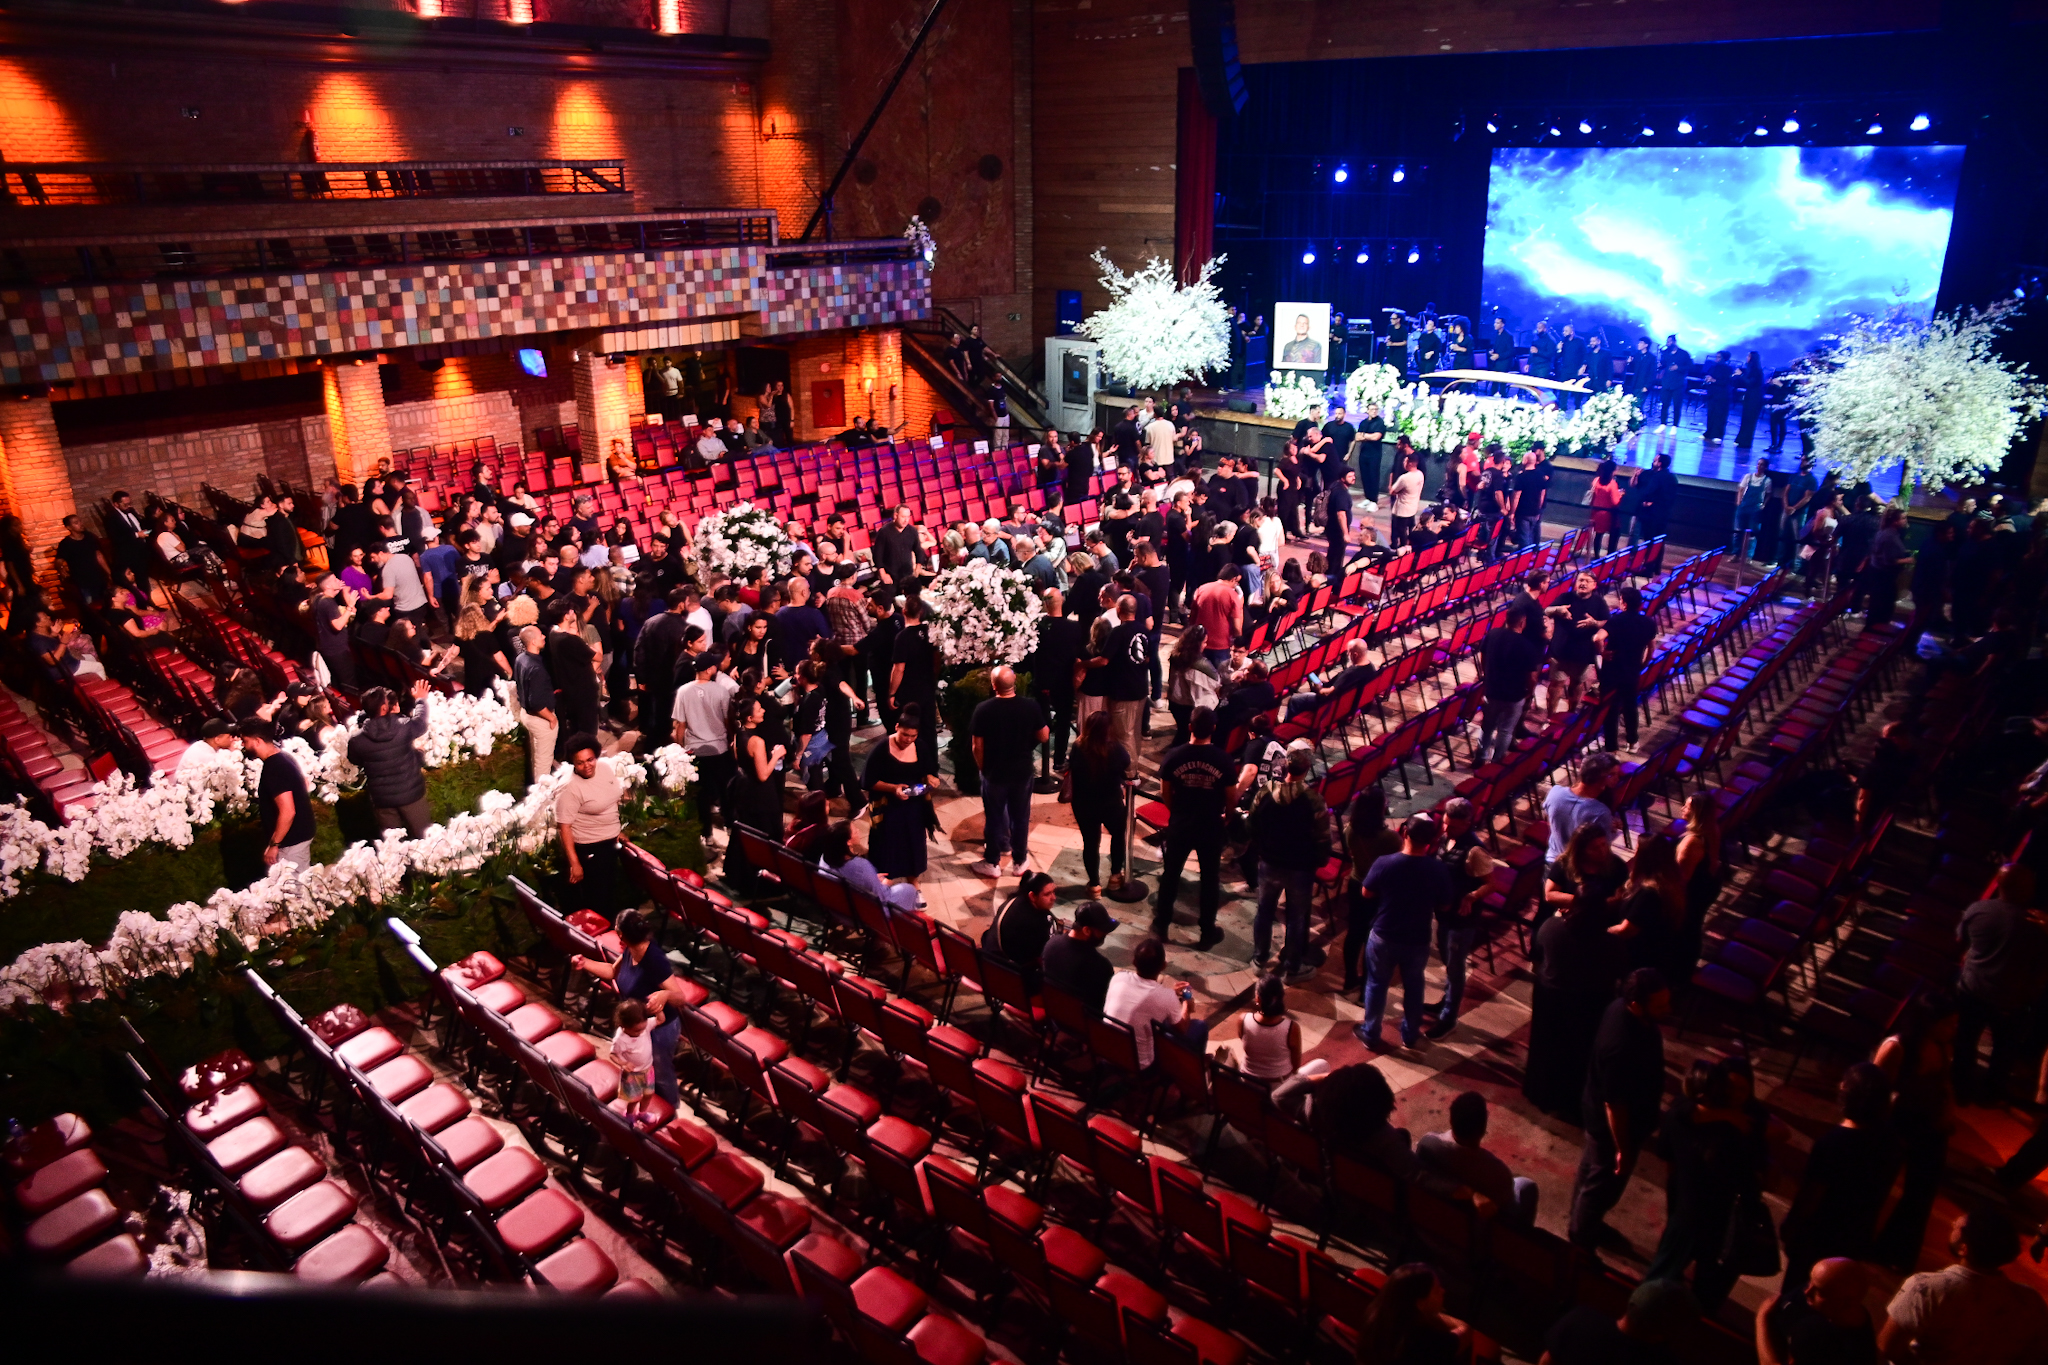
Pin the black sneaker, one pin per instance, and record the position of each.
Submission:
(1209, 938)
(1440, 1028)
(1260, 960)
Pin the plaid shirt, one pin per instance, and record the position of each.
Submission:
(848, 614)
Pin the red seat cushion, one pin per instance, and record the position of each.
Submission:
(856, 1102)
(780, 1221)
(473, 971)
(436, 1107)
(581, 1267)
(277, 1179)
(502, 1180)
(1133, 1295)
(942, 1341)
(338, 1025)
(688, 1141)
(566, 1050)
(1213, 1345)
(469, 1141)
(539, 1222)
(814, 1078)
(830, 1256)
(399, 1079)
(310, 1214)
(906, 1141)
(241, 1147)
(119, 1255)
(219, 1112)
(589, 921)
(348, 1257)
(602, 1078)
(768, 1048)
(1016, 1209)
(724, 1017)
(531, 1023)
(500, 997)
(216, 1073)
(729, 1180)
(73, 1224)
(1072, 1254)
(633, 1289)
(65, 1178)
(889, 1299)
(371, 1048)
(1000, 1073)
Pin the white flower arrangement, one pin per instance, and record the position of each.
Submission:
(1601, 423)
(1438, 423)
(173, 810)
(1371, 383)
(735, 539)
(982, 613)
(289, 900)
(920, 238)
(1291, 394)
(1157, 332)
(1935, 394)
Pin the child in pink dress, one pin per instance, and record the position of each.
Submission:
(633, 1055)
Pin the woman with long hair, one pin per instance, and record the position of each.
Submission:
(1653, 907)
(1096, 770)
(1577, 955)
(755, 798)
(899, 799)
(1919, 1060)
(1406, 1324)
(1191, 680)
(1700, 868)
(1605, 499)
(483, 660)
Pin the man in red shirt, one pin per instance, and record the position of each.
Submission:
(1219, 610)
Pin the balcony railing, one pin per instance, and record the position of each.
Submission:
(103, 259)
(795, 255)
(45, 184)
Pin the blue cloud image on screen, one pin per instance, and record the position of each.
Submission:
(1731, 248)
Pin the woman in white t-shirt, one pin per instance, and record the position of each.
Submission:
(1405, 497)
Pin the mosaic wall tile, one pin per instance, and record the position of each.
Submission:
(74, 332)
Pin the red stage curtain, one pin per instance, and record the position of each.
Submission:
(1194, 182)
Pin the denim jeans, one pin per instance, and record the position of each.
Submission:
(664, 1036)
(1454, 946)
(1006, 813)
(1218, 657)
(1497, 734)
(1529, 530)
(1382, 959)
(1299, 884)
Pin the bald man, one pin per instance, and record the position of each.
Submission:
(1007, 731)
(1828, 1325)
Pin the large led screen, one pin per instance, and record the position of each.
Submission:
(1730, 248)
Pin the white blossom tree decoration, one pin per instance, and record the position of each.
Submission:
(1156, 331)
(1935, 394)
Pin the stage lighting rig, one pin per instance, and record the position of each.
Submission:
(1920, 123)
(1585, 127)
(1648, 131)
(1308, 256)
(1492, 124)
(1791, 124)
(1362, 257)
(1341, 174)
(1874, 129)
(1400, 174)
(1685, 127)
(1414, 254)
(1760, 131)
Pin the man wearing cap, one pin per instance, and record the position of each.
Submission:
(1073, 961)
(1658, 1310)
(516, 545)
(216, 736)
(282, 802)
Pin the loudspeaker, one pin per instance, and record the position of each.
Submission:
(1241, 405)
(1212, 26)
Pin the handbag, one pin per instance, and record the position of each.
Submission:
(1749, 1245)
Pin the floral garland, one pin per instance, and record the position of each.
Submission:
(291, 900)
(742, 537)
(1289, 396)
(1601, 423)
(1372, 384)
(1438, 423)
(1935, 395)
(920, 238)
(1156, 332)
(176, 807)
(982, 613)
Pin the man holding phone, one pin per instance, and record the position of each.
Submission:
(1138, 997)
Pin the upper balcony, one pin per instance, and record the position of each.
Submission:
(99, 184)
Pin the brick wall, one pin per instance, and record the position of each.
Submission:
(439, 421)
(176, 465)
(610, 402)
(853, 361)
(358, 431)
(37, 482)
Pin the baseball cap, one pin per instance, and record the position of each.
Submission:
(1094, 915)
(520, 519)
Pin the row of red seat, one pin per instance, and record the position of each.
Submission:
(66, 1212)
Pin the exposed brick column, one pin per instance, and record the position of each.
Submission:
(37, 487)
(609, 399)
(358, 428)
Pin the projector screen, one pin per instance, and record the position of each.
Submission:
(1731, 248)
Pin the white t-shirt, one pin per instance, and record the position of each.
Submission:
(1407, 493)
(197, 754)
(1960, 1316)
(702, 707)
(1159, 436)
(1272, 539)
(1134, 1001)
(630, 1053)
(1267, 1056)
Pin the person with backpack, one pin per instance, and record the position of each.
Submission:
(1290, 830)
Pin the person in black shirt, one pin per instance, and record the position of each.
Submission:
(283, 806)
(1656, 495)
(1340, 434)
(1127, 680)
(85, 563)
(1396, 352)
(914, 677)
(1337, 522)
(1123, 439)
(1542, 351)
(1848, 1180)
(1371, 441)
(1508, 660)
(1658, 1311)
(898, 551)
(1195, 783)
(1007, 731)
(1630, 633)
(333, 609)
(1429, 345)
(1720, 390)
(1080, 471)
(1073, 961)
(1571, 362)
(1624, 1092)
(1051, 666)
(1023, 926)
(1827, 1325)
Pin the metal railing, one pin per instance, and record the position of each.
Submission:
(55, 183)
(861, 251)
(106, 259)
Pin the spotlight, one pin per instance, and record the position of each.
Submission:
(1791, 124)
(1414, 254)
(1400, 174)
(1362, 257)
(1919, 124)
(1585, 127)
(1341, 174)
(1308, 257)
(1874, 129)
(1684, 126)
(1492, 127)
(1760, 131)
(1554, 132)
(1648, 131)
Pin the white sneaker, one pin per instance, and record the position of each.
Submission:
(987, 871)
(1024, 865)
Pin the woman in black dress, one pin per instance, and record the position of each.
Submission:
(573, 665)
(1577, 958)
(1714, 1141)
(750, 651)
(482, 661)
(755, 797)
(899, 804)
(1096, 770)
(1287, 478)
